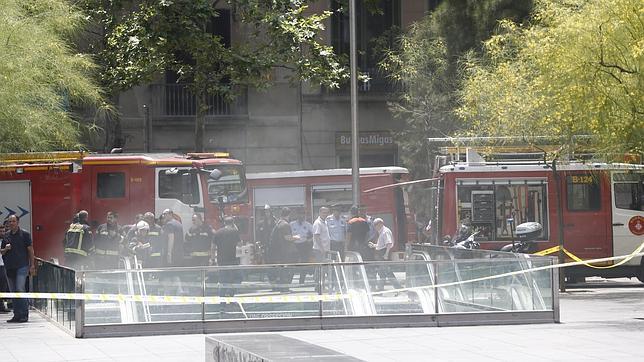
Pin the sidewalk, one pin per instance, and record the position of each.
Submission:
(40, 340)
(598, 324)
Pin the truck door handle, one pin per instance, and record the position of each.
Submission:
(618, 224)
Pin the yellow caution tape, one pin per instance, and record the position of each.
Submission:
(574, 257)
(298, 298)
(545, 252)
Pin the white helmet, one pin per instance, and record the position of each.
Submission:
(142, 225)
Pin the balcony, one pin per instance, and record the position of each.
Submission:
(378, 87)
(177, 102)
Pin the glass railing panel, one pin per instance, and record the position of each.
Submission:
(260, 292)
(540, 280)
(443, 285)
(519, 290)
(342, 290)
(144, 283)
(402, 287)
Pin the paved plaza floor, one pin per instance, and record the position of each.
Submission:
(600, 321)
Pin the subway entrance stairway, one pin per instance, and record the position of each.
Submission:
(425, 286)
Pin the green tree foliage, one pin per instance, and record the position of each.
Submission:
(175, 35)
(426, 64)
(575, 69)
(41, 76)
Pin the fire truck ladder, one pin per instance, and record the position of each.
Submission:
(509, 148)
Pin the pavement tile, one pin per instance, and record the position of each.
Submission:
(181, 356)
(79, 352)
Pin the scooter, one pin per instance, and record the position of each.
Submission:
(526, 234)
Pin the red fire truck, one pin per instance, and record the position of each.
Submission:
(306, 191)
(46, 189)
(602, 206)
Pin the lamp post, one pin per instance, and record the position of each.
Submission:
(355, 142)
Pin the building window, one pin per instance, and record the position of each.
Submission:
(110, 185)
(373, 24)
(583, 193)
(179, 99)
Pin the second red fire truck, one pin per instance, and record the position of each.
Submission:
(601, 203)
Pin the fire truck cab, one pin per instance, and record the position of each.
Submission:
(46, 189)
(601, 203)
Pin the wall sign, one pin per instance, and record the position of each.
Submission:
(368, 140)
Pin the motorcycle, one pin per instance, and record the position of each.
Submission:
(464, 239)
(526, 235)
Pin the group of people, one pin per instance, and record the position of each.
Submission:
(154, 242)
(286, 241)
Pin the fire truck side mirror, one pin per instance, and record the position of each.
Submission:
(214, 174)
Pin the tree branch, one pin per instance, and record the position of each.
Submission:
(615, 66)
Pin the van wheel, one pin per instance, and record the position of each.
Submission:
(640, 275)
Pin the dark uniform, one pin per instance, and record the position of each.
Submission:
(263, 235)
(198, 245)
(227, 239)
(174, 227)
(158, 244)
(78, 245)
(107, 242)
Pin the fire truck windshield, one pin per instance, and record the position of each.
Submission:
(229, 187)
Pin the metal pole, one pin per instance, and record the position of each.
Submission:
(355, 142)
(560, 228)
(146, 128)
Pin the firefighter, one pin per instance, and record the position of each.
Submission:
(157, 242)
(78, 243)
(262, 235)
(128, 231)
(139, 244)
(199, 242)
(106, 243)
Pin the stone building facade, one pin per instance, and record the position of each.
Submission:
(287, 127)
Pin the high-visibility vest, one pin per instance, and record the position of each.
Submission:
(158, 242)
(199, 241)
(78, 240)
(104, 244)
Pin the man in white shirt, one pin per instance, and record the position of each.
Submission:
(383, 246)
(321, 237)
